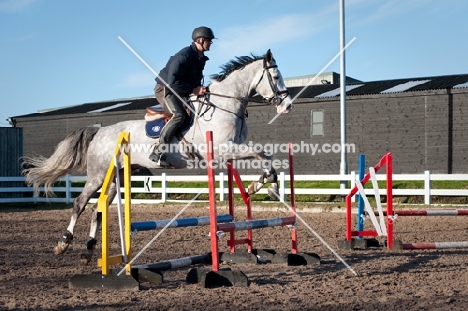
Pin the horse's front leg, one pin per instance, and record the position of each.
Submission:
(79, 205)
(269, 174)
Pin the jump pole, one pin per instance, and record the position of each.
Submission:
(107, 279)
(435, 245)
(256, 224)
(360, 212)
(226, 277)
(178, 223)
(233, 175)
(293, 199)
(434, 212)
(103, 207)
(134, 274)
(209, 277)
(391, 216)
(176, 263)
(386, 160)
(431, 245)
(212, 199)
(252, 255)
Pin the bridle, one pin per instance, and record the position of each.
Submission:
(277, 98)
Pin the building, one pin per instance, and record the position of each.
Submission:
(323, 78)
(419, 120)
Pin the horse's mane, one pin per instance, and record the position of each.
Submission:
(234, 64)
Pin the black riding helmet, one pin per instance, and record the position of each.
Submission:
(204, 32)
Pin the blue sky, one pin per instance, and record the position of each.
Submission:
(60, 53)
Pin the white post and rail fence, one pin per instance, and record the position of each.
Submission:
(13, 190)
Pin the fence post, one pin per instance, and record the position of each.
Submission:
(353, 183)
(222, 187)
(163, 187)
(68, 190)
(35, 196)
(427, 187)
(282, 186)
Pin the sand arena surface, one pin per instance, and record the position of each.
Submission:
(32, 277)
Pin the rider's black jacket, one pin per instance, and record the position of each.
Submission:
(184, 71)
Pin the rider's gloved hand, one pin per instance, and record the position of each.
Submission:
(199, 90)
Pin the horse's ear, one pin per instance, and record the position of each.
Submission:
(269, 56)
(267, 59)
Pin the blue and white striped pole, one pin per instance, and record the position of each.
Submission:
(183, 222)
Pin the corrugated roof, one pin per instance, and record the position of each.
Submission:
(337, 90)
(378, 87)
(404, 86)
(312, 91)
(109, 108)
(461, 85)
(125, 104)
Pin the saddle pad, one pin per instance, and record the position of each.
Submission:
(153, 128)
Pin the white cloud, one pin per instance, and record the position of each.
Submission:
(261, 36)
(14, 6)
(387, 9)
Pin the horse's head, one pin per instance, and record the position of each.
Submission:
(271, 85)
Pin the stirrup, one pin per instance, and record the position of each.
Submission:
(159, 158)
(154, 156)
(162, 161)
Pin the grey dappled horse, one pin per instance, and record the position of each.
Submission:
(222, 111)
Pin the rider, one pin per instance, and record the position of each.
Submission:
(182, 76)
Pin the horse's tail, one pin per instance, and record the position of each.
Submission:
(69, 155)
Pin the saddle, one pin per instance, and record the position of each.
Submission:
(156, 118)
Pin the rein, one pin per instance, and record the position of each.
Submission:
(210, 105)
(251, 100)
(276, 99)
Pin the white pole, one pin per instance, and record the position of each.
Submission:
(343, 163)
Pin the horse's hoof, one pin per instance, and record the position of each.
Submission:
(254, 187)
(60, 248)
(85, 258)
(251, 188)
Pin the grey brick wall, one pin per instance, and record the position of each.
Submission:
(415, 126)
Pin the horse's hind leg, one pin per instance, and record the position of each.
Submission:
(96, 219)
(79, 205)
(91, 241)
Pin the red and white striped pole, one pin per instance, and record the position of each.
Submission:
(436, 245)
(430, 212)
